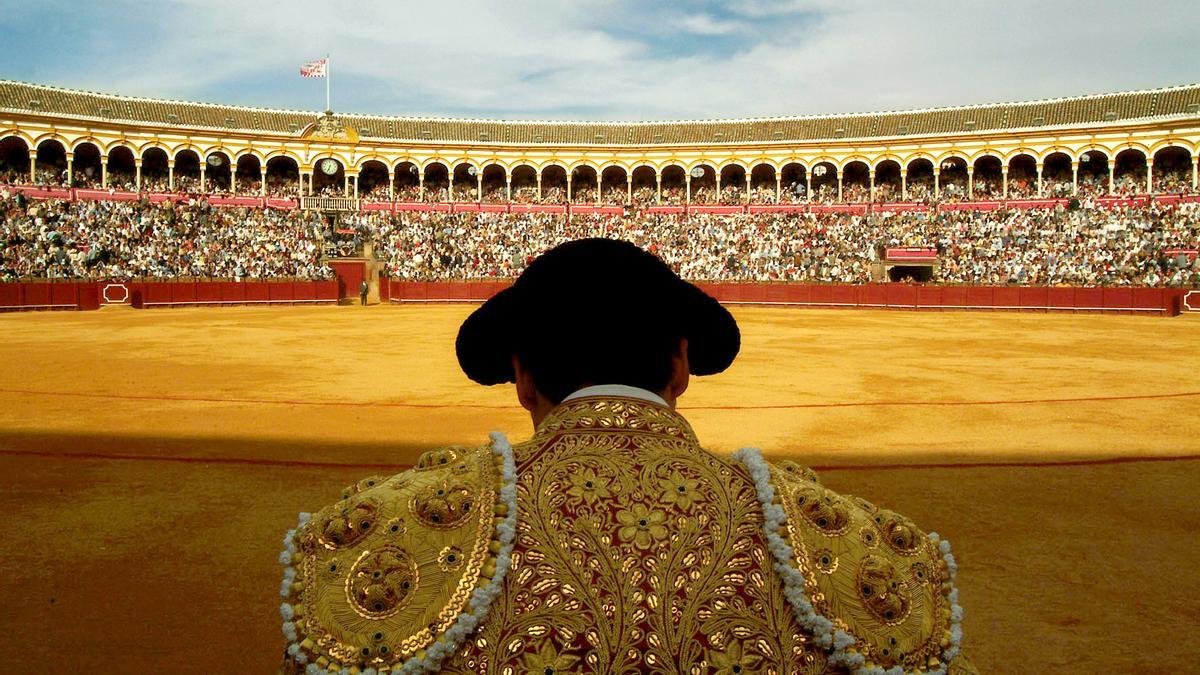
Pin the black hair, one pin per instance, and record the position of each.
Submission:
(562, 363)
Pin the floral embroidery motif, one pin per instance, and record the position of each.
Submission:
(734, 661)
(547, 661)
(382, 582)
(588, 486)
(641, 525)
(678, 491)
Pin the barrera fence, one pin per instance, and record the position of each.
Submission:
(84, 295)
(1125, 300)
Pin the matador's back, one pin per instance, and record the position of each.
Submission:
(612, 543)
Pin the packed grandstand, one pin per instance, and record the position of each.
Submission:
(1090, 191)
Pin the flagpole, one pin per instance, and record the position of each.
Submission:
(328, 77)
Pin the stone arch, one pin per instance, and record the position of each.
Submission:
(1022, 175)
(1129, 170)
(523, 178)
(674, 183)
(732, 178)
(554, 183)
(1094, 171)
(1172, 164)
(793, 181)
(122, 167)
(763, 183)
(823, 184)
(327, 183)
(919, 176)
(584, 175)
(282, 174)
(373, 178)
(613, 181)
(888, 186)
(406, 181)
(704, 185)
(856, 180)
(495, 180)
(248, 174)
(87, 167)
(988, 168)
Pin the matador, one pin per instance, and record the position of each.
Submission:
(611, 541)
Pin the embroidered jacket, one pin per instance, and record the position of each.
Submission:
(634, 551)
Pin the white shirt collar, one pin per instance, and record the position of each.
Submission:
(622, 390)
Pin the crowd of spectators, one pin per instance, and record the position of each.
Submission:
(124, 240)
(1088, 246)
(1143, 245)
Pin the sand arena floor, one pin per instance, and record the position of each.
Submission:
(150, 462)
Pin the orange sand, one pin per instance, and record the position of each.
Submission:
(150, 462)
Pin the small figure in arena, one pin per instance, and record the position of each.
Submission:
(363, 289)
(611, 541)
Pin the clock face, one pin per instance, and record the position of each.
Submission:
(697, 172)
(215, 160)
(329, 166)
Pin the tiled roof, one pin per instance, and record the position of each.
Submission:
(1181, 101)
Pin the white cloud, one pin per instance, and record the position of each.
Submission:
(619, 59)
(705, 24)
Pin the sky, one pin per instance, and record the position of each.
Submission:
(603, 59)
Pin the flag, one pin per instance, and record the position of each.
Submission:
(315, 68)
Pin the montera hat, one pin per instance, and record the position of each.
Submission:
(592, 294)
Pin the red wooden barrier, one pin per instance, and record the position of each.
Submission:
(1007, 297)
(954, 296)
(183, 293)
(280, 291)
(257, 291)
(1034, 296)
(1089, 298)
(12, 295)
(233, 292)
(901, 295)
(64, 295)
(209, 292)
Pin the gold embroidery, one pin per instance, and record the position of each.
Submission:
(617, 567)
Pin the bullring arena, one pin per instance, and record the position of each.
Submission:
(155, 448)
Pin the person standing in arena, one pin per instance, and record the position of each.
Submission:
(611, 541)
(363, 289)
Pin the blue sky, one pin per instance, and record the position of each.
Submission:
(603, 59)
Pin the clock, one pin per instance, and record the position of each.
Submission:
(329, 166)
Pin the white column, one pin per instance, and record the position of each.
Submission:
(391, 184)
(137, 167)
(687, 183)
(629, 198)
(747, 187)
(479, 186)
(1112, 170)
(202, 176)
(569, 199)
(507, 188)
(539, 179)
(658, 183)
(1075, 178)
(937, 183)
(70, 168)
(451, 184)
(1004, 180)
(904, 184)
(839, 177)
(1039, 179)
(103, 171)
(171, 174)
(970, 182)
(599, 184)
(778, 187)
(1149, 177)
(871, 178)
(33, 167)
(1195, 170)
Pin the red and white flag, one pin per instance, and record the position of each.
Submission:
(315, 68)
